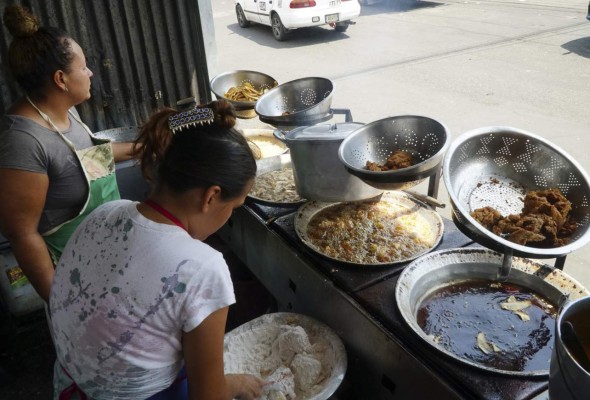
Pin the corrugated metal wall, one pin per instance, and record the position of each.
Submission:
(145, 54)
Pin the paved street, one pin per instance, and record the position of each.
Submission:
(468, 64)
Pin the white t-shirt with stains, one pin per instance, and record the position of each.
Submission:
(124, 291)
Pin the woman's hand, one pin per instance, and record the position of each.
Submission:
(244, 386)
(123, 151)
(203, 358)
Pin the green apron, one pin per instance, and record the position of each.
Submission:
(98, 164)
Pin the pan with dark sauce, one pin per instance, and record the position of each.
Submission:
(498, 325)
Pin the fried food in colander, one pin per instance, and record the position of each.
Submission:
(397, 160)
(244, 92)
(543, 222)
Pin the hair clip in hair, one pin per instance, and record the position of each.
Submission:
(191, 118)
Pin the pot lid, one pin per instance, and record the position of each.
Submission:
(336, 131)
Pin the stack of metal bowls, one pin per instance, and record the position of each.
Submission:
(301, 102)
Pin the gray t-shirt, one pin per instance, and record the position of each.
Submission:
(28, 146)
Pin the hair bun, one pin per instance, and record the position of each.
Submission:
(225, 114)
(20, 22)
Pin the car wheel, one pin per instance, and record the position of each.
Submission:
(242, 21)
(278, 29)
(341, 27)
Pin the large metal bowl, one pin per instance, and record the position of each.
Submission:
(258, 137)
(496, 166)
(263, 328)
(223, 82)
(297, 103)
(443, 268)
(123, 134)
(424, 138)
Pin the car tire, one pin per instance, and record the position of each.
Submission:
(341, 27)
(242, 21)
(278, 29)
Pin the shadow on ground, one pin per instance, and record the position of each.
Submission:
(580, 47)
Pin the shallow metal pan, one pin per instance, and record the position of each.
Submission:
(274, 164)
(440, 269)
(308, 210)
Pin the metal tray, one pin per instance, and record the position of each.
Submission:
(265, 323)
(307, 211)
(446, 267)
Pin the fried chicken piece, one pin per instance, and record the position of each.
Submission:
(549, 202)
(397, 160)
(568, 228)
(487, 216)
(544, 220)
(522, 236)
(506, 225)
(532, 223)
(373, 166)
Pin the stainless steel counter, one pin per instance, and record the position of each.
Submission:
(386, 360)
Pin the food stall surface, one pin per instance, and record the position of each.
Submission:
(386, 357)
(27, 355)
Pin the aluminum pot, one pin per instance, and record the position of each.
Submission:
(569, 378)
(319, 174)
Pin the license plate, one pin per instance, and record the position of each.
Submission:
(331, 18)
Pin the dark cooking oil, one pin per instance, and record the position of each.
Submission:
(454, 316)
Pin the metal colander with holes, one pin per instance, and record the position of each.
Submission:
(496, 166)
(300, 102)
(223, 82)
(424, 138)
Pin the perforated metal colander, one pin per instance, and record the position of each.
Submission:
(296, 102)
(496, 166)
(424, 138)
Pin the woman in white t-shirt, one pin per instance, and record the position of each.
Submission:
(137, 295)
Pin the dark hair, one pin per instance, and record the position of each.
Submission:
(197, 156)
(35, 52)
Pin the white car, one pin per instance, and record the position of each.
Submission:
(285, 15)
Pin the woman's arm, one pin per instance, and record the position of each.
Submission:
(203, 358)
(122, 151)
(22, 199)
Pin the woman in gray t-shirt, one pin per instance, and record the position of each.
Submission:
(46, 186)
